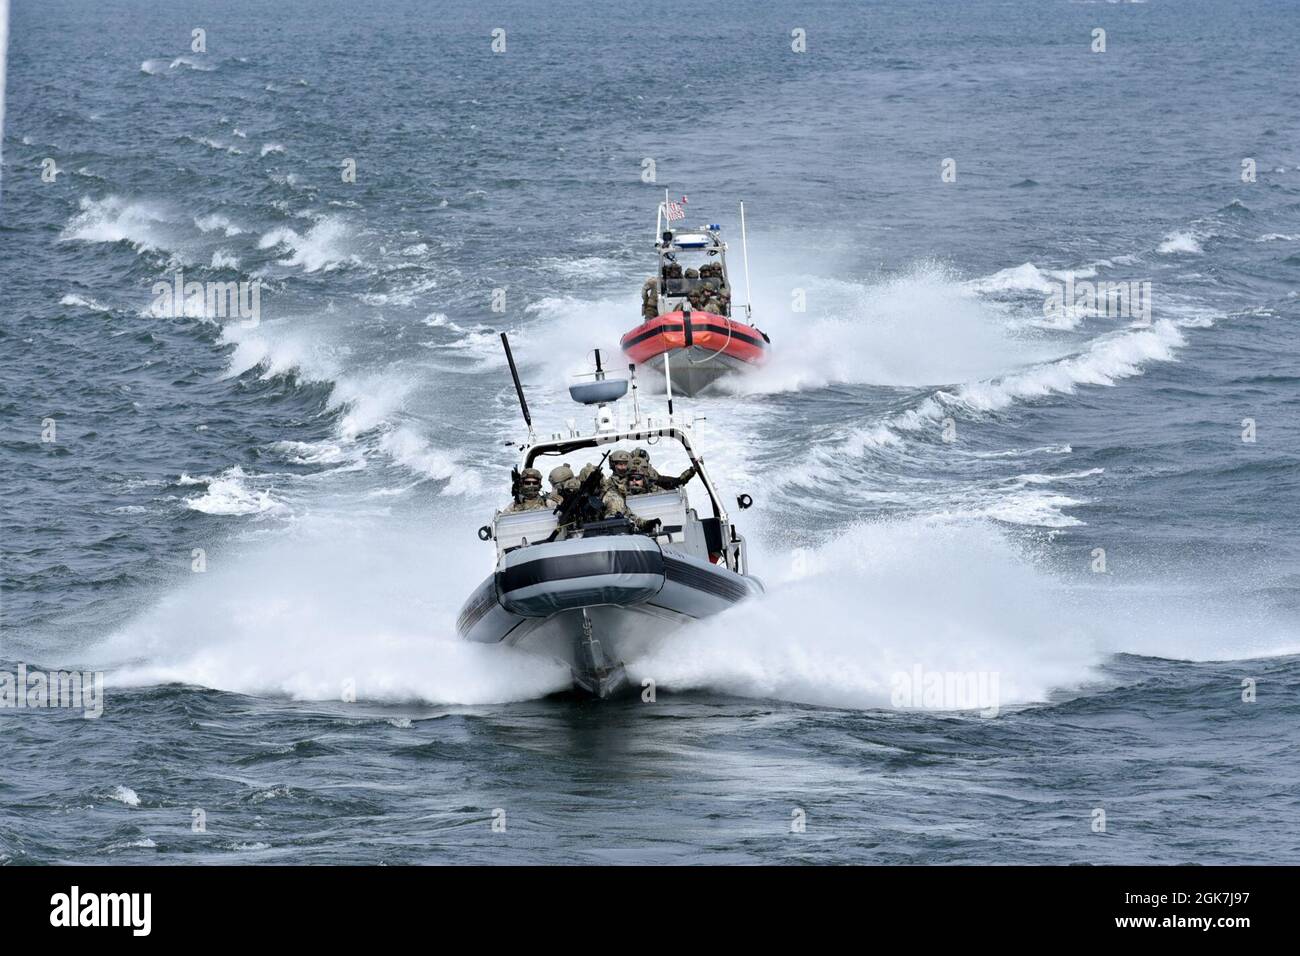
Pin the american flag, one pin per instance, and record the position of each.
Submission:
(675, 210)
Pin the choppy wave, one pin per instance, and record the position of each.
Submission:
(1181, 243)
(323, 247)
(125, 795)
(404, 293)
(1037, 509)
(1107, 360)
(160, 67)
(1027, 277)
(590, 268)
(231, 493)
(409, 448)
(277, 352)
(366, 404)
(84, 302)
(313, 453)
(217, 145)
(214, 222)
(141, 223)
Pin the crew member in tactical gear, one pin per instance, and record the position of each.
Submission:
(562, 481)
(650, 299)
(656, 480)
(529, 496)
(637, 483)
(618, 462)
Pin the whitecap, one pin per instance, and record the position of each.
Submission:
(1180, 243)
(231, 494)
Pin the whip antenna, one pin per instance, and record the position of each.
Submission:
(744, 248)
(519, 388)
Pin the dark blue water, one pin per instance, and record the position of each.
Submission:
(939, 465)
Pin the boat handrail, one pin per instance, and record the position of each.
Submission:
(639, 432)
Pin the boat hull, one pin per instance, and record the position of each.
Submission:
(700, 350)
(624, 593)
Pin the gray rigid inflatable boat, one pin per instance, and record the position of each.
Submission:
(599, 600)
(599, 591)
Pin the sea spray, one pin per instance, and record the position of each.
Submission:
(840, 623)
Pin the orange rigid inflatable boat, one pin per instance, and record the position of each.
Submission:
(703, 347)
(687, 316)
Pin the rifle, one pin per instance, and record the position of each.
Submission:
(514, 483)
(583, 504)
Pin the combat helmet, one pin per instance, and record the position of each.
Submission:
(530, 483)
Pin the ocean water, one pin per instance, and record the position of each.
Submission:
(1089, 516)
